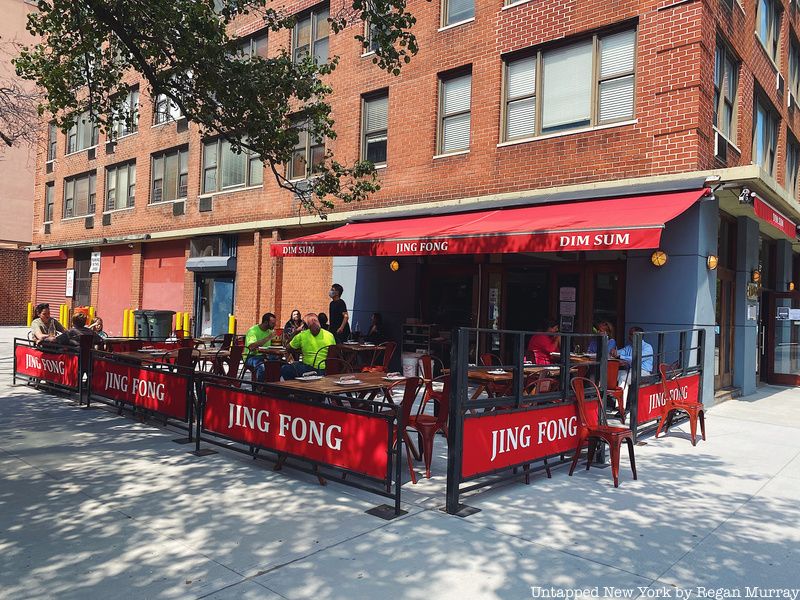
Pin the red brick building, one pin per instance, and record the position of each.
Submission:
(525, 103)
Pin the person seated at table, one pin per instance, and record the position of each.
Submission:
(293, 326)
(323, 321)
(375, 334)
(625, 354)
(541, 345)
(312, 343)
(45, 328)
(72, 336)
(260, 334)
(603, 327)
(97, 326)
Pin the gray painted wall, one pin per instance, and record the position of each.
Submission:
(682, 293)
(745, 330)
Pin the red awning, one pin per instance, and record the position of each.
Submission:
(610, 224)
(766, 212)
(48, 255)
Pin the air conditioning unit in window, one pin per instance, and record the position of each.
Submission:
(720, 147)
(182, 125)
(89, 222)
(206, 204)
(47, 229)
(49, 167)
(779, 83)
(110, 145)
(178, 208)
(107, 219)
(91, 153)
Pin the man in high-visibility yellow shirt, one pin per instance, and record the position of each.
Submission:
(312, 342)
(259, 335)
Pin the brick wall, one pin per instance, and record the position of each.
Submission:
(15, 273)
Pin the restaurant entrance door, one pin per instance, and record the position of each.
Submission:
(214, 303)
(783, 338)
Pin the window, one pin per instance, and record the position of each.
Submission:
(126, 121)
(120, 186)
(765, 135)
(165, 110)
(79, 195)
(83, 134)
(794, 69)
(52, 138)
(253, 46)
(584, 84)
(792, 164)
(455, 97)
(311, 36)
(309, 153)
(49, 201)
(456, 11)
(375, 116)
(223, 169)
(768, 26)
(369, 34)
(170, 176)
(726, 78)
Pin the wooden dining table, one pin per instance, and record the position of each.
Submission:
(328, 384)
(485, 378)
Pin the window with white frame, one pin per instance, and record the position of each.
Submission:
(308, 154)
(253, 46)
(726, 81)
(768, 26)
(49, 201)
(792, 164)
(369, 34)
(310, 35)
(794, 68)
(120, 186)
(456, 11)
(223, 169)
(583, 84)
(765, 134)
(455, 99)
(79, 195)
(170, 176)
(52, 140)
(126, 121)
(374, 127)
(83, 134)
(165, 110)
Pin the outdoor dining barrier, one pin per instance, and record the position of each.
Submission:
(356, 443)
(56, 366)
(490, 439)
(684, 351)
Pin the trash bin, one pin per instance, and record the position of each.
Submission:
(153, 324)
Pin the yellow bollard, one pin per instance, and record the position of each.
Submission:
(124, 322)
(131, 324)
(178, 321)
(186, 325)
(91, 314)
(231, 324)
(30, 313)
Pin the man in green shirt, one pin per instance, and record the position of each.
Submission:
(257, 336)
(312, 342)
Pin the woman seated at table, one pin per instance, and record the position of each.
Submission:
(375, 334)
(312, 342)
(293, 326)
(603, 327)
(541, 345)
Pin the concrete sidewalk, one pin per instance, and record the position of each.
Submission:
(93, 505)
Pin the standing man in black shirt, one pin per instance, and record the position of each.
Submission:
(337, 312)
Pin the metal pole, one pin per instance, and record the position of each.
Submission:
(455, 436)
(397, 460)
(633, 387)
(14, 374)
(519, 375)
(684, 352)
(701, 359)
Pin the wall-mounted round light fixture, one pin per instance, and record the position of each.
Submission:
(394, 265)
(712, 261)
(756, 276)
(790, 286)
(658, 258)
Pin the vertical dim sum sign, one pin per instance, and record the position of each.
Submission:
(355, 441)
(58, 368)
(160, 391)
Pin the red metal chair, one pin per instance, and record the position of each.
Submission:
(673, 403)
(594, 430)
(428, 425)
(613, 389)
(385, 351)
(412, 386)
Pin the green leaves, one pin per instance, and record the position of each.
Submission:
(92, 48)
